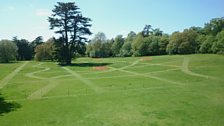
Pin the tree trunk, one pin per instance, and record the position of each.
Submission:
(69, 61)
(68, 58)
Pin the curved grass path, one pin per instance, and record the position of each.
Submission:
(53, 83)
(38, 94)
(31, 75)
(151, 95)
(185, 69)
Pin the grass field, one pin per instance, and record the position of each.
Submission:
(136, 91)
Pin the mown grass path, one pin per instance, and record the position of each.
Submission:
(42, 91)
(150, 76)
(31, 75)
(167, 90)
(186, 70)
(84, 80)
(52, 82)
(6, 80)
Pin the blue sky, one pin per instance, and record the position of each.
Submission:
(28, 18)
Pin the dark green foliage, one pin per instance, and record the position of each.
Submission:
(153, 47)
(147, 30)
(140, 45)
(206, 44)
(68, 21)
(72, 26)
(80, 49)
(24, 49)
(215, 26)
(126, 49)
(172, 47)
(117, 45)
(150, 41)
(8, 51)
(163, 42)
(60, 51)
(218, 45)
(183, 42)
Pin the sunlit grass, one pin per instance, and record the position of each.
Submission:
(132, 92)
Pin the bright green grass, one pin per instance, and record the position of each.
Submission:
(132, 92)
(5, 69)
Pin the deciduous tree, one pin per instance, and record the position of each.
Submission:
(126, 49)
(118, 43)
(45, 51)
(24, 49)
(8, 51)
(218, 46)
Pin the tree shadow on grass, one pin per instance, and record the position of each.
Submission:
(12, 62)
(87, 64)
(6, 107)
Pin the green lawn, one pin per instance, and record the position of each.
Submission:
(137, 91)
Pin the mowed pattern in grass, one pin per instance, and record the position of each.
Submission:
(136, 91)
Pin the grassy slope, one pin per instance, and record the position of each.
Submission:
(127, 98)
(5, 69)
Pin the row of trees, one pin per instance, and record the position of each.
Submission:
(22, 49)
(68, 22)
(133, 45)
(25, 48)
(209, 39)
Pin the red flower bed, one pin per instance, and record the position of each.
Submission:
(146, 59)
(100, 68)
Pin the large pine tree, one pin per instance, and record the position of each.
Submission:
(68, 21)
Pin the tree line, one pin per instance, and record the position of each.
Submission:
(73, 28)
(149, 41)
(21, 49)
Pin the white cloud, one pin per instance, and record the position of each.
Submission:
(43, 12)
